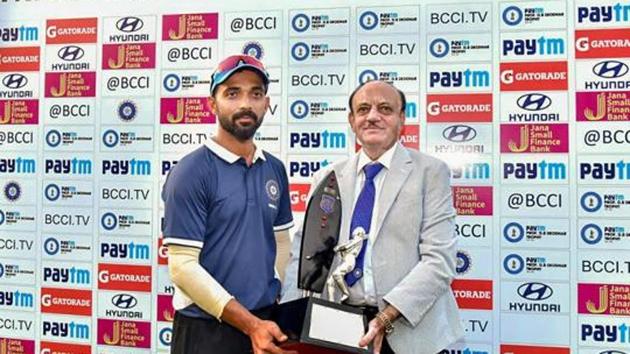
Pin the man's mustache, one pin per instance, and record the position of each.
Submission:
(246, 113)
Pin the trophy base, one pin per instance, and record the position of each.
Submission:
(304, 348)
(321, 327)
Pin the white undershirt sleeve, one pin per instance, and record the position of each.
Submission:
(194, 281)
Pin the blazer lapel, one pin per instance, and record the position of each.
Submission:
(396, 177)
(346, 175)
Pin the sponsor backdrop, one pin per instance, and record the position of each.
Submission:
(528, 102)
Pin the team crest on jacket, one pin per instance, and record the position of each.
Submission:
(273, 190)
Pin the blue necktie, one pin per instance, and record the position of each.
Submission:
(362, 217)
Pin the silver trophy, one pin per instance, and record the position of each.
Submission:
(348, 253)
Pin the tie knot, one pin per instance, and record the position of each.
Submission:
(372, 170)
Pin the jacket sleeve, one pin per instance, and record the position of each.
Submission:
(432, 276)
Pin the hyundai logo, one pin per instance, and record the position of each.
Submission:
(459, 133)
(610, 69)
(70, 53)
(612, 352)
(129, 24)
(14, 81)
(534, 102)
(535, 291)
(124, 301)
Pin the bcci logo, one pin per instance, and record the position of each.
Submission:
(464, 262)
(254, 49)
(127, 111)
(12, 191)
(272, 189)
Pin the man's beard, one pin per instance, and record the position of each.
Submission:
(242, 133)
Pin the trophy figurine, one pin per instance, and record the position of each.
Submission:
(348, 253)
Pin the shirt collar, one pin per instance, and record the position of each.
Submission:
(229, 156)
(385, 159)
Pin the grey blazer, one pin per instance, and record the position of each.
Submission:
(413, 256)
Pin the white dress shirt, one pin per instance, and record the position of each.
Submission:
(368, 277)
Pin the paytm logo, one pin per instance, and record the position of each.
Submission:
(121, 250)
(463, 351)
(18, 165)
(72, 166)
(476, 170)
(66, 330)
(535, 46)
(464, 78)
(305, 168)
(411, 110)
(619, 170)
(71, 275)
(19, 34)
(609, 13)
(605, 333)
(326, 139)
(131, 167)
(535, 170)
(167, 166)
(16, 299)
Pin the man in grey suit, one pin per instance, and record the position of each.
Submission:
(402, 279)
